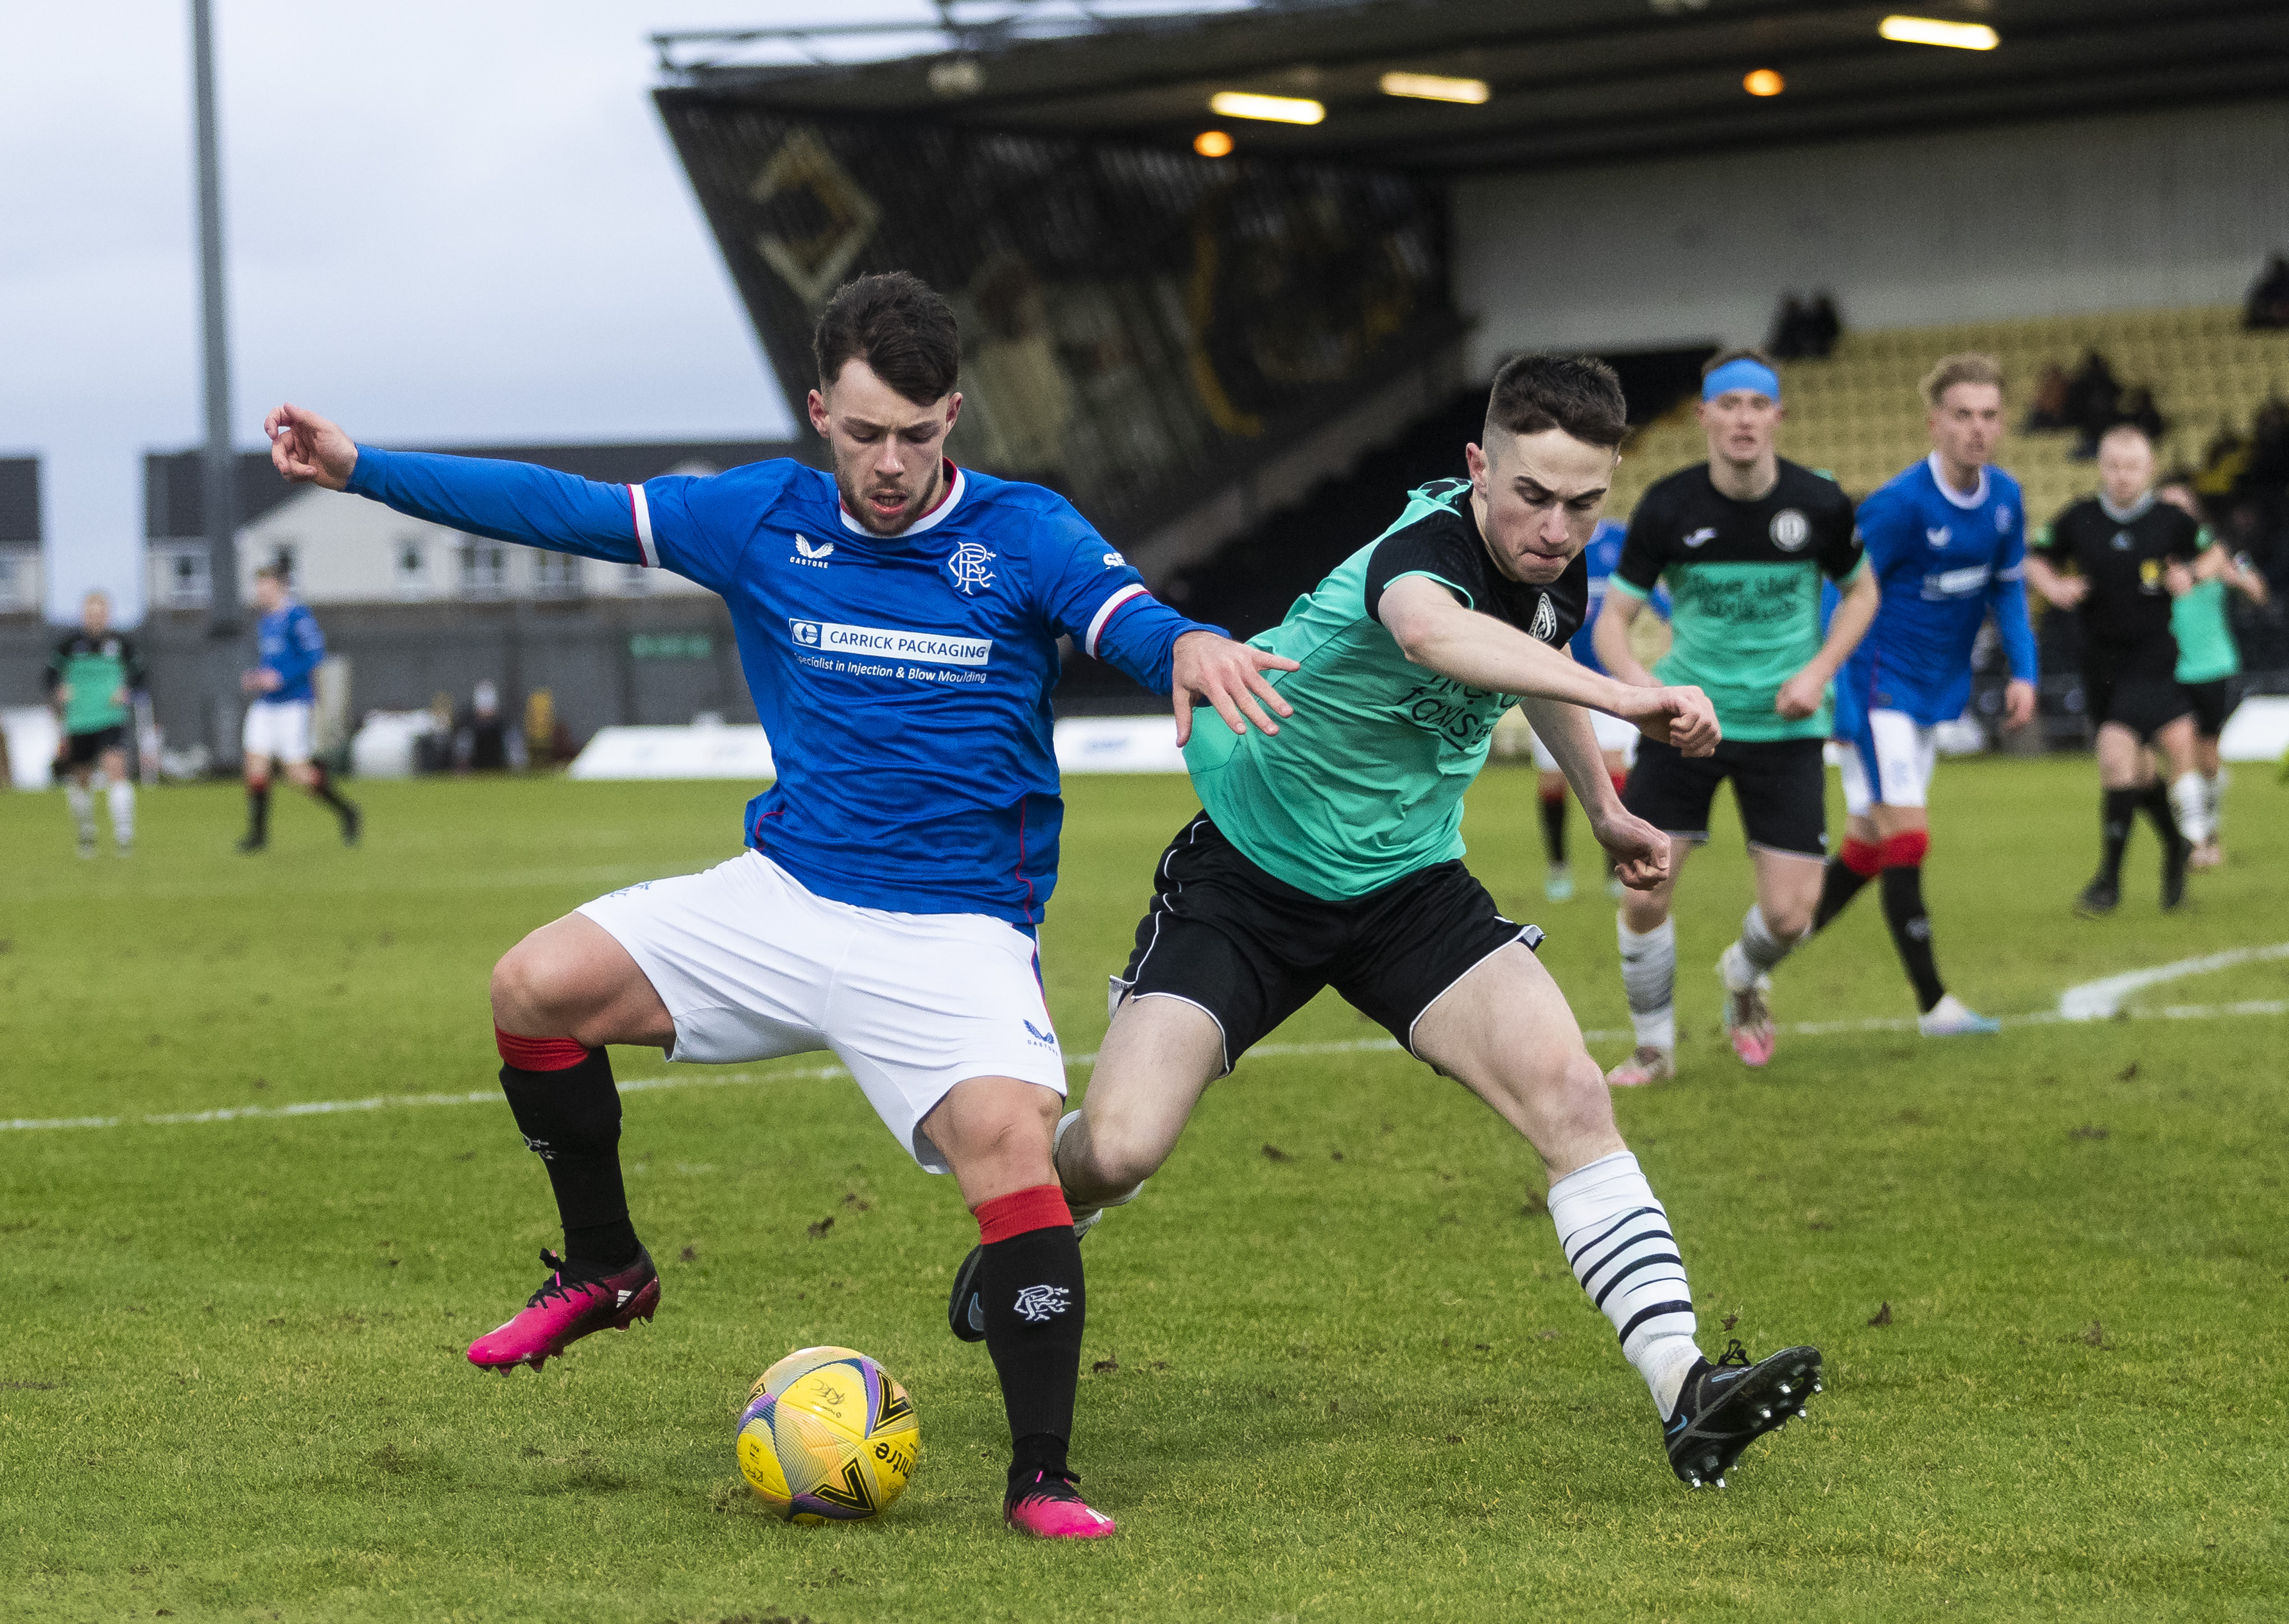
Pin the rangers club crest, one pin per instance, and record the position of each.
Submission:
(967, 569)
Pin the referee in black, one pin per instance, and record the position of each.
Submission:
(2130, 555)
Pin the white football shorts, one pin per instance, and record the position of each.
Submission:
(1613, 734)
(751, 967)
(278, 730)
(1889, 762)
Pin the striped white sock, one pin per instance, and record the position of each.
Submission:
(122, 797)
(1759, 950)
(1649, 977)
(1617, 1239)
(80, 799)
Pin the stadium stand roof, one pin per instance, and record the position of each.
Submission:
(173, 481)
(19, 500)
(1570, 81)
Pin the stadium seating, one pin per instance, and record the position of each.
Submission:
(1856, 413)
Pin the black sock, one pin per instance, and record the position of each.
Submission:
(2154, 800)
(324, 790)
(1903, 911)
(1839, 884)
(571, 1119)
(257, 812)
(1030, 1287)
(1553, 829)
(2117, 811)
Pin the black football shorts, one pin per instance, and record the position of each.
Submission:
(2143, 705)
(1779, 784)
(1251, 949)
(84, 749)
(2209, 700)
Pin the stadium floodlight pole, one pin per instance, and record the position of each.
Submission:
(218, 484)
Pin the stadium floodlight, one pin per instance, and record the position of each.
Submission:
(1764, 82)
(1212, 144)
(1270, 109)
(1932, 31)
(1435, 87)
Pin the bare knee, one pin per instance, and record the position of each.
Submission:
(1117, 1155)
(526, 991)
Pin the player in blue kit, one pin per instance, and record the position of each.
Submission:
(897, 620)
(290, 647)
(1948, 540)
(1617, 741)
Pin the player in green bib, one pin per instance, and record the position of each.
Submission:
(1330, 853)
(1744, 543)
(2208, 658)
(92, 679)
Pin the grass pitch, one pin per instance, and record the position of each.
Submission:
(1338, 1368)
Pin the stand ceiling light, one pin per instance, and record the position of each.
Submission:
(1269, 109)
(1434, 87)
(1932, 31)
(1764, 82)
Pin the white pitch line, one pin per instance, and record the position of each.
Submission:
(2098, 1000)
(1262, 1051)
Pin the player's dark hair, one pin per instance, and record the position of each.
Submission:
(270, 572)
(900, 326)
(1746, 351)
(1580, 395)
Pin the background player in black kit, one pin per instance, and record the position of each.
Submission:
(2132, 554)
(1743, 541)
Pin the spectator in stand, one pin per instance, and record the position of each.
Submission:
(1791, 336)
(2049, 410)
(2092, 396)
(1823, 326)
(481, 741)
(2224, 460)
(2268, 447)
(2268, 305)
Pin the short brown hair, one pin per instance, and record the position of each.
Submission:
(1970, 367)
(900, 326)
(1746, 351)
(1580, 395)
(271, 572)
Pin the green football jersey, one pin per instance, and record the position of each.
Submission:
(95, 670)
(1363, 785)
(1744, 579)
(2206, 651)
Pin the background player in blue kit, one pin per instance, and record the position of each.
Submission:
(1617, 741)
(1948, 540)
(897, 621)
(290, 647)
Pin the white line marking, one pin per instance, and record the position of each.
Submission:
(1263, 1051)
(2097, 1001)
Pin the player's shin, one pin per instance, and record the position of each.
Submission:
(569, 1111)
(1649, 977)
(1553, 825)
(258, 814)
(1617, 1240)
(1846, 873)
(2117, 814)
(1760, 947)
(1030, 1290)
(1902, 856)
(2190, 799)
(80, 799)
(121, 795)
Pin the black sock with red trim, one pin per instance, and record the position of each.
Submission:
(569, 1111)
(1030, 1289)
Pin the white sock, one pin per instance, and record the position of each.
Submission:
(1760, 949)
(1617, 1240)
(2213, 800)
(1649, 976)
(123, 812)
(2189, 799)
(82, 801)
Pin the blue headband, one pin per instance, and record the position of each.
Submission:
(1753, 376)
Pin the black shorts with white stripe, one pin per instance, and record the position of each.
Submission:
(1251, 949)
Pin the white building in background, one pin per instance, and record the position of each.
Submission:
(341, 549)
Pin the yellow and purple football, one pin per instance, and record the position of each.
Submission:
(827, 1435)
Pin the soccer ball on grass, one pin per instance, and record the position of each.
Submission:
(827, 1435)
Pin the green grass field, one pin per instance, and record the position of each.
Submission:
(1351, 1382)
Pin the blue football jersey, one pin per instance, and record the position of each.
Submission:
(290, 643)
(1603, 553)
(1943, 560)
(904, 681)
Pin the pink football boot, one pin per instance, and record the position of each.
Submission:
(1049, 1504)
(571, 1303)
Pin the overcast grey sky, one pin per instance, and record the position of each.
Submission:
(448, 219)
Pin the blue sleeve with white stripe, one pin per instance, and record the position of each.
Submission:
(1096, 597)
(506, 501)
(2006, 596)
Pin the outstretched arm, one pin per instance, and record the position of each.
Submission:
(506, 501)
(1804, 693)
(1611, 637)
(1436, 631)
